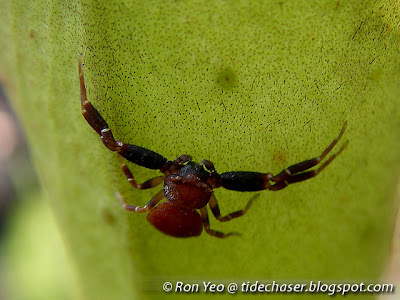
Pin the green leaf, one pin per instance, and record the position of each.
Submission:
(249, 85)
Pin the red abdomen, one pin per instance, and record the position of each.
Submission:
(175, 220)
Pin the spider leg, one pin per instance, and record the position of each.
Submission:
(139, 209)
(307, 164)
(153, 182)
(217, 214)
(255, 181)
(138, 155)
(91, 115)
(206, 224)
(214, 180)
(305, 175)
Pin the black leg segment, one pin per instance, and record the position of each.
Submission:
(142, 156)
(136, 154)
(245, 181)
(253, 181)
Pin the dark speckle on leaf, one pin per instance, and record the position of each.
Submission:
(108, 217)
(226, 78)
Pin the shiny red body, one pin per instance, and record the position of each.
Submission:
(185, 191)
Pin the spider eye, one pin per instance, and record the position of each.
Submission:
(184, 158)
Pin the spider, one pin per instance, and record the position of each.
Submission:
(188, 186)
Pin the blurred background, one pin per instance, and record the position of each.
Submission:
(33, 262)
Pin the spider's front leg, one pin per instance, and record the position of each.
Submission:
(254, 181)
(138, 155)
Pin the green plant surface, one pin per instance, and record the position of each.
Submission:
(250, 85)
(36, 259)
